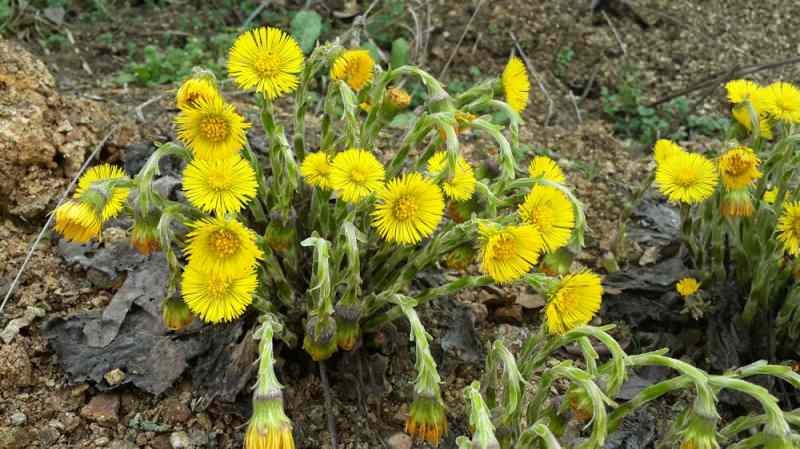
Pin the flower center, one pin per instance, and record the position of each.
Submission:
(686, 178)
(214, 128)
(268, 65)
(505, 247)
(225, 243)
(736, 166)
(405, 208)
(218, 287)
(358, 175)
(541, 217)
(219, 180)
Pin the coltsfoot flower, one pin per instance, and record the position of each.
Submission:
(737, 203)
(409, 209)
(216, 297)
(212, 129)
(280, 236)
(461, 185)
(771, 195)
(316, 170)
(144, 235)
(580, 404)
(573, 302)
(354, 67)
(546, 168)
(550, 211)
(738, 167)
(741, 114)
(176, 314)
(77, 222)
(355, 174)
(789, 228)
(426, 420)
(461, 211)
(687, 286)
(194, 89)
(222, 246)
(782, 101)
(516, 85)
(221, 186)
(266, 59)
(741, 90)
(320, 341)
(269, 427)
(699, 433)
(687, 178)
(398, 98)
(507, 253)
(109, 201)
(666, 149)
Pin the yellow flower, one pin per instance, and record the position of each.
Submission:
(461, 185)
(354, 67)
(550, 211)
(789, 228)
(269, 427)
(398, 98)
(426, 420)
(742, 115)
(573, 302)
(665, 149)
(266, 59)
(355, 174)
(212, 129)
(111, 204)
(687, 178)
(220, 185)
(687, 287)
(738, 167)
(507, 253)
(409, 209)
(516, 85)
(737, 203)
(782, 101)
(193, 89)
(546, 168)
(215, 297)
(741, 90)
(223, 246)
(316, 170)
(77, 222)
(771, 195)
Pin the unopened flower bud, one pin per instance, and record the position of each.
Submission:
(280, 237)
(269, 427)
(461, 211)
(737, 203)
(144, 235)
(460, 258)
(176, 314)
(700, 433)
(397, 98)
(200, 87)
(427, 420)
(320, 341)
(348, 330)
(580, 404)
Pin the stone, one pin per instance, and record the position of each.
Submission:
(122, 444)
(508, 314)
(180, 440)
(103, 409)
(161, 442)
(71, 422)
(175, 412)
(14, 326)
(18, 419)
(15, 438)
(48, 435)
(114, 377)
(102, 441)
(530, 300)
(198, 438)
(15, 366)
(399, 441)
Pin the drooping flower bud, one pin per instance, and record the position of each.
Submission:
(348, 329)
(737, 203)
(176, 314)
(320, 341)
(144, 235)
(427, 420)
(700, 433)
(397, 98)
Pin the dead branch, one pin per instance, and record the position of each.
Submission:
(460, 40)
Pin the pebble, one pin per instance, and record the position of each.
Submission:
(102, 408)
(122, 444)
(399, 441)
(18, 419)
(180, 440)
(114, 377)
(102, 441)
(175, 412)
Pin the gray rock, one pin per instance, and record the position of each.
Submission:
(18, 419)
(399, 441)
(122, 444)
(180, 440)
(102, 441)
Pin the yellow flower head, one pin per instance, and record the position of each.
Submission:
(316, 169)
(222, 246)
(461, 185)
(687, 178)
(741, 90)
(771, 195)
(193, 89)
(782, 101)
(212, 129)
(409, 209)
(215, 297)
(742, 115)
(354, 67)
(269, 427)
(573, 302)
(738, 167)
(266, 59)
(687, 287)
(507, 253)
(789, 228)
(221, 185)
(355, 174)
(98, 174)
(77, 222)
(737, 203)
(426, 420)
(546, 168)
(398, 98)
(665, 149)
(550, 211)
(516, 85)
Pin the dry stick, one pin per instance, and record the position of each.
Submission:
(550, 103)
(326, 391)
(138, 109)
(261, 6)
(36, 241)
(460, 40)
(575, 103)
(614, 30)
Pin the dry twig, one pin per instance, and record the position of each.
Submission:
(616, 34)
(460, 39)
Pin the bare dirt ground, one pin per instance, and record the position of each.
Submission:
(671, 44)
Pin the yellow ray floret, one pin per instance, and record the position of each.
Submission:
(789, 228)
(687, 178)
(77, 222)
(516, 85)
(354, 67)
(546, 168)
(738, 167)
(741, 90)
(356, 173)
(212, 129)
(782, 101)
(573, 302)
(687, 287)
(217, 298)
(741, 114)
(266, 59)
(409, 209)
(550, 211)
(771, 195)
(316, 170)
(222, 246)
(461, 185)
(96, 175)
(193, 89)
(221, 185)
(666, 149)
(507, 253)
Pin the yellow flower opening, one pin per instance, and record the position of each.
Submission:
(269, 427)
(782, 101)
(573, 302)
(354, 67)
(355, 174)
(687, 178)
(194, 89)
(742, 116)
(789, 228)
(266, 59)
(77, 222)
(316, 170)
(737, 203)
(738, 167)
(409, 209)
(426, 420)
(218, 298)
(398, 97)
(101, 173)
(666, 149)
(507, 253)
(546, 168)
(550, 211)
(222, 246)
(771, 195)
(461, 185)
(516, 85)
(212, 129)
(741, 90)
(687, 287)
(220, 186)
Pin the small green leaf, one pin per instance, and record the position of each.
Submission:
(399, 52)
(306, 28)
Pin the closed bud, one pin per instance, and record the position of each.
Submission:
(144, 235)
(557, 262)
(460, 258)
(461, 211)
(176, 314)
(427, 420)
(580, 404)
(348, 330)
(737, 203)
(397, 98)
(280, 237)
(700, 433)
(320, 341)
(269, 427)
